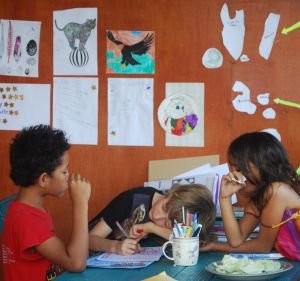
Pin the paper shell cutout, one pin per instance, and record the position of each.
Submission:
(212, 58)
(176, 115)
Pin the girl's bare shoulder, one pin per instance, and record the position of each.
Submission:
(284, 192)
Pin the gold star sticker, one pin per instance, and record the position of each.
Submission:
(7, 89)
(15, 96)
(11, 112)
(4, 121)
(3, 96)
(6, 104)
(21, 97)
(14, 88)
(10, 96)
(11, 105)
(113, 133)
(1, 90)
(16, 112)
(94, 87)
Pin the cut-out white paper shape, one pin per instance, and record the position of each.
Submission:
(269, 35)
(233, 32)
(263, 99)
(176, 115)
(212, 58)
(242, 103)
(273, 132)
(244, 58)
(269, 113)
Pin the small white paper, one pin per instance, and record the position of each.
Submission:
(212, 58)
(130, 111)
(269, 113)
(242, 103)
(233, 32)
(75, 108)
(23, 105)
(244, 58)
(269, 35)
(273, 132)
(263, 99)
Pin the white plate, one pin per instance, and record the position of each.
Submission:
(285, 266)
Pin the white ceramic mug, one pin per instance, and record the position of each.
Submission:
(185, 250)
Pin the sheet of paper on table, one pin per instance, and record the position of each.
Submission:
(111, 260)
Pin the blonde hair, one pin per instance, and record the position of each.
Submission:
(195, 198)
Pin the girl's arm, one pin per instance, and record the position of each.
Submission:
(281, 198)
(98, 241)
(236, 230)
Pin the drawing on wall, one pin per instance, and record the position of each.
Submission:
(130, 52)
(268, 37)
(242, 103)
(176, 115)
(233, 32)
(263, 98)
(19, 42)
(212, 58)
(273, 132)
(269, 113)
(189, 100)
(75, 108)
(75, 41)
(23, 105)
(130, 111)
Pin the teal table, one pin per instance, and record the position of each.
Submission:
(196, 272)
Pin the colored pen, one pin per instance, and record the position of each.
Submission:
(177, 227)
(122, 229)
(189, 231)
(197, 231)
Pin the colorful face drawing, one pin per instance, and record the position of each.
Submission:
(177, 116)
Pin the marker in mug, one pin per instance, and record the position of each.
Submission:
(197, 231)
(122, 229)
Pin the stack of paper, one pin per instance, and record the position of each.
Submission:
(144, 258)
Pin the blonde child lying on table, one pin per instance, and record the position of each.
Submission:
(145, 210)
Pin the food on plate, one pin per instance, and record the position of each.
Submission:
(232, 265)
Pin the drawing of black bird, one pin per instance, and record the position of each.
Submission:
(139, 48)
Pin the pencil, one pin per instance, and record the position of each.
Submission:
(122, 229)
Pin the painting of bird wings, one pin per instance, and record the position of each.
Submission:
(130, 54)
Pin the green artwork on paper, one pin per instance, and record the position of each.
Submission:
(130, 52)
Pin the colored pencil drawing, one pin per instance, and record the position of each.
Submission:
(130, 52)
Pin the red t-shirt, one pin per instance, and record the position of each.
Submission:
(26, 227)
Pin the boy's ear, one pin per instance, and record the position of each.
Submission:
(43, 179)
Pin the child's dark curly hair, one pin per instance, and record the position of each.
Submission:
(36, 150)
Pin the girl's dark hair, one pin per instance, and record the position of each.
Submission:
(36, 150)
(269, 157)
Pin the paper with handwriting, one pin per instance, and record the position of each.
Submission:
(130, 111)
(75, 108)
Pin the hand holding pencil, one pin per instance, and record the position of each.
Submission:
(129, 245)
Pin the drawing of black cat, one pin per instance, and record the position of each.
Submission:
(82, 32)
